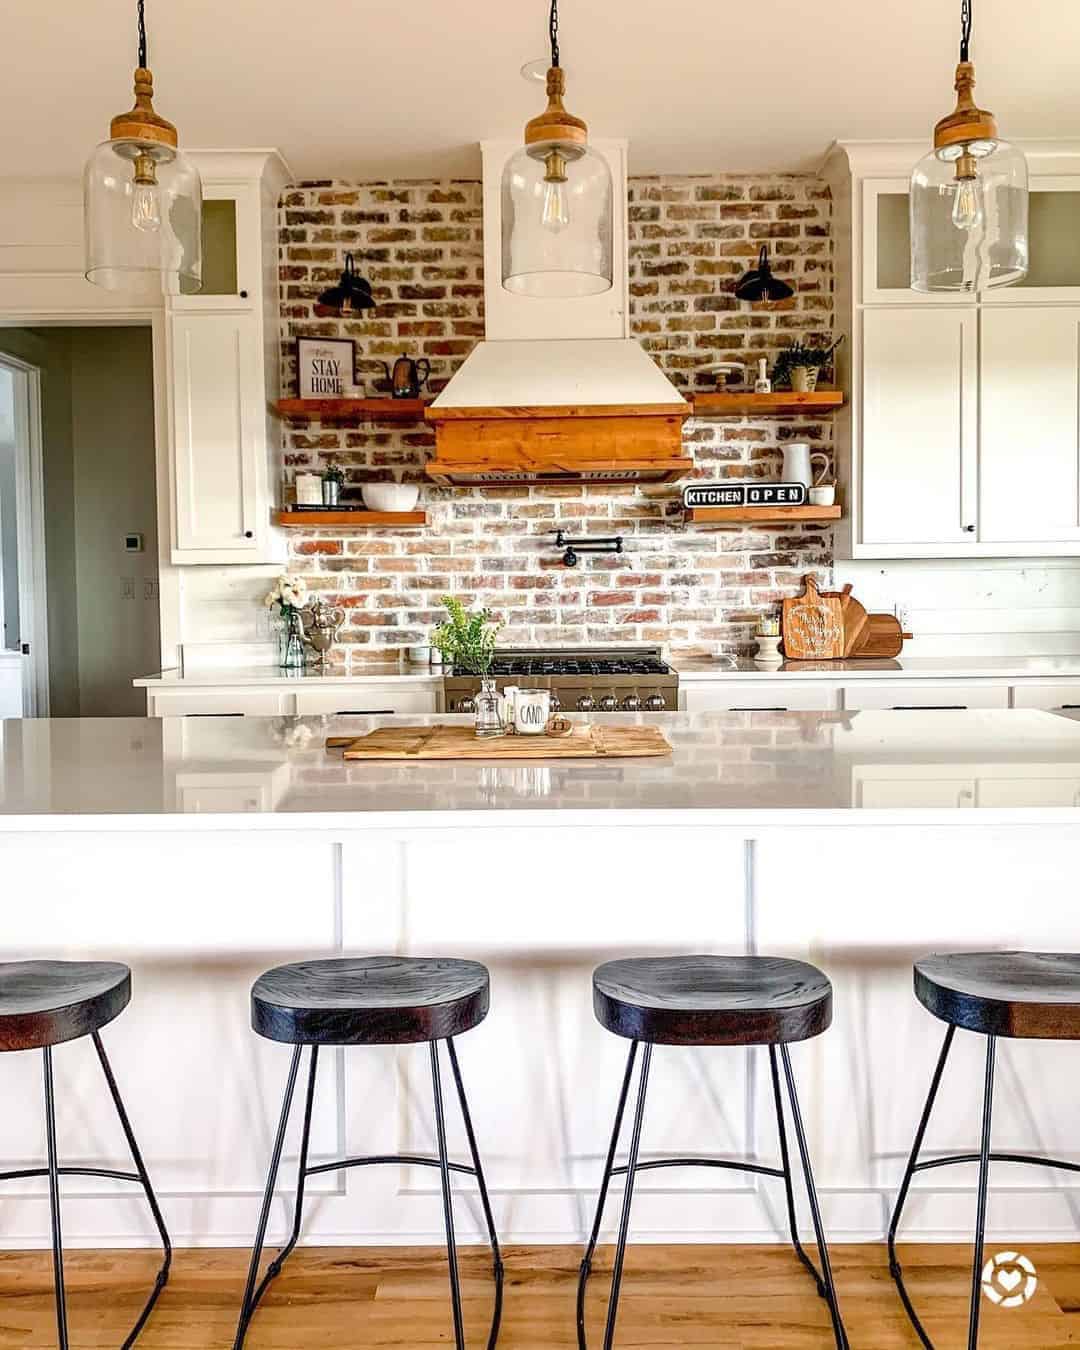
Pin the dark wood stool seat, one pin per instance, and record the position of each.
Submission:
(1032, 995)
(712, 1000)
(48, 1002)
(370, 1000)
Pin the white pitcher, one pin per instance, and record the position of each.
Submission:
(798, 462)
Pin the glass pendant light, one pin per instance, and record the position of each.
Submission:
(969, 197)
(142, 200)
(557, 228)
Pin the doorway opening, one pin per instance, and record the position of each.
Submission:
(78, 519)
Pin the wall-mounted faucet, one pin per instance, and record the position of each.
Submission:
(572, 547)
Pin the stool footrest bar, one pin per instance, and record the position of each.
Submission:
(405, 1159)
(73, 1172)
(1030, 1158)
(730, 1164)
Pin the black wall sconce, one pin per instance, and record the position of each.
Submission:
(759, 283)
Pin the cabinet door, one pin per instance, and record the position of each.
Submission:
(1029, 445)
(1054, 266)
(923, 694)
(780, 696)
(1048, 697)
(230, 249)
(236, 704)
(364, 699)
(918, 462)
(217, 433)
(886, 248)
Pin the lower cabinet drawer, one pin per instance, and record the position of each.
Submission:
(779, 697)
(257, 704)
(363, 700)
(1051, 697)
(924, 694)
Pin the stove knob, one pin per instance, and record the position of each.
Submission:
(556, 703)
(586, 703)
(631, 703)
(609, 703)
(465, 705)
(655, 703)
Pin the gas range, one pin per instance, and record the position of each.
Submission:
(581, 679)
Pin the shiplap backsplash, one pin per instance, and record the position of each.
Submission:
(988, 607)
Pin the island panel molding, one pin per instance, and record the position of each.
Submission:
(689, 240)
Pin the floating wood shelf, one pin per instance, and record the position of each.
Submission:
(781, 404)
(760, 515)
(352, 409)
(355, 520)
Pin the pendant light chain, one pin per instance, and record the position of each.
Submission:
(142, 36)
(965, 29)
(553, 29)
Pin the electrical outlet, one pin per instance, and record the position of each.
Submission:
(151, 590)
(127, 588)
(903, 616)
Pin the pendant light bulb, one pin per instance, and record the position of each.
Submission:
(145, 201)
(555, 214)
(968, 212)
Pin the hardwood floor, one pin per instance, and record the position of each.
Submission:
(725, 1298)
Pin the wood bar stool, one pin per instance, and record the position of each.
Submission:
(45, 1003)
(709, 1000)
(1022, 995)
(374, 1000)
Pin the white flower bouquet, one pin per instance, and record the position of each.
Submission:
(288, 593)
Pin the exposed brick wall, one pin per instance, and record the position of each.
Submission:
(697, 590)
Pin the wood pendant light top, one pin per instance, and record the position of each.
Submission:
(49, 1002)
(142, 123)
(712, 1000)
(966, 122)
(555, 123)
(1032, 995)
(370, 1000)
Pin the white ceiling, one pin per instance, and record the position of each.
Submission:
(408, 87)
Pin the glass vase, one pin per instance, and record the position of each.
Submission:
(291, 642)
(488, 719)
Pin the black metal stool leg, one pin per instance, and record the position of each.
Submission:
(605, 1182)
(151, 1198)
(448, 1208)
(839, 1333)
(895, 1269)
(984, 1181)
(489, 1217)
(785, 1162)
(54, 1203)
(628, 1196)
(248, 1305)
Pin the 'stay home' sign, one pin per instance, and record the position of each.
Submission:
(324, 367)
(744, 494)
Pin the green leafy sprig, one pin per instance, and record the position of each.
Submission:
(467, 639)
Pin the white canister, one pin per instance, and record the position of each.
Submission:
(532, 708)
(507, 705)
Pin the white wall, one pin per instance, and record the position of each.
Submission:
(9, 539)
(990, 607)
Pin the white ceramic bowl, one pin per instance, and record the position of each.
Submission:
(390, 496)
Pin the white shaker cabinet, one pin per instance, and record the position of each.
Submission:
(919, 408)
(222, 359)
(1029, 457)
(216, 441)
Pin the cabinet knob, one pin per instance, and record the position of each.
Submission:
(969, 529)
(243, 295)
(249, 534)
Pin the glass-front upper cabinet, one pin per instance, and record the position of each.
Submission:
(1054, 234)
(230, 249)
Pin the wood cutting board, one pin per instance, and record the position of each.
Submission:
(855, 619)
(881, 637)
(813, 625)
(461, 742)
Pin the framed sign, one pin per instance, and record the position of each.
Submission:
(325, 367)
(754, 493)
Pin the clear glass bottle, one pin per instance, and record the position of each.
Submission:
(488, 718)
(291, 654)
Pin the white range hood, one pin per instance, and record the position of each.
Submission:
(558, 390)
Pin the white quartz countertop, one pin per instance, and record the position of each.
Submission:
(310, 676)
(914, 667)
(887, 767)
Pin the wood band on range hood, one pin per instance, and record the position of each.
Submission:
(604, 442)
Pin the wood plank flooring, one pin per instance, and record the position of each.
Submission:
(725, 1298)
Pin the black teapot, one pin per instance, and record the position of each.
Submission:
(407, 379)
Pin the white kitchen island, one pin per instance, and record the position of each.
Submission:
(203, 851)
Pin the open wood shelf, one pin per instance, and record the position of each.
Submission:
(356, 520)
(783, 403)
(759, 515)
(352, 409)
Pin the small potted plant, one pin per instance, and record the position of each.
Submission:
(799, 366)
(467, 642)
